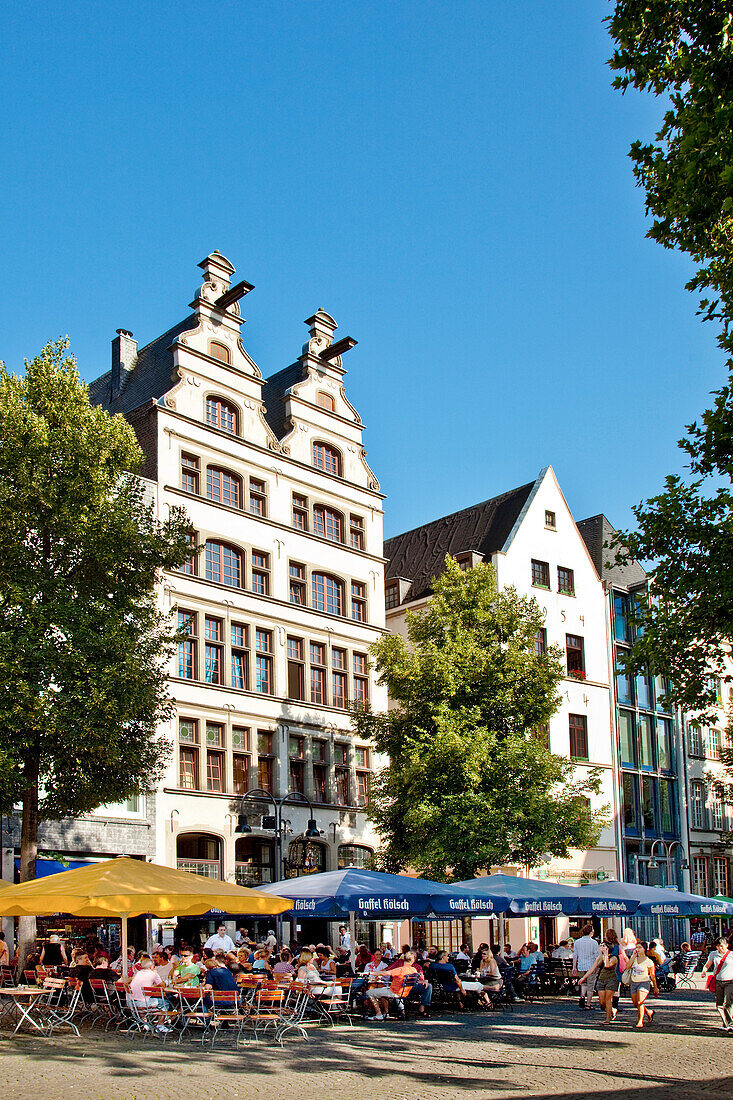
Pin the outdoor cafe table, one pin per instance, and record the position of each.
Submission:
(18, 995)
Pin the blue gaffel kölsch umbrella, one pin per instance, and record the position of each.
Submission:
(531, 896)
(653, 901)
(374, 895)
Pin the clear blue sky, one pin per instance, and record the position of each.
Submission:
(449, 179)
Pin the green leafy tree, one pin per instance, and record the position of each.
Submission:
(468, 786)
(682, 51)
(82, 642)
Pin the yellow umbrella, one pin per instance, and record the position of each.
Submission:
(125, 887)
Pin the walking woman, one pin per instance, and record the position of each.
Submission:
(643, 980)
(609, 975)
(628, 942)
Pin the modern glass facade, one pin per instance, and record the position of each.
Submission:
(648, 763)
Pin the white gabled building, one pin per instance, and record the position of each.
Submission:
(530, 537)
(280, 606)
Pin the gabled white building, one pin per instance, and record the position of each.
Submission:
(530, 537)
(281, 604)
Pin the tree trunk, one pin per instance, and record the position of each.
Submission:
(28, 853)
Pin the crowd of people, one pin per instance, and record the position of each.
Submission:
(387, 979)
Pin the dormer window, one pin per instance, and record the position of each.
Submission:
(219, 351)
(220, 414)
(325, 401)
(327, 458)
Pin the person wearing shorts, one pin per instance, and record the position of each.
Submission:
(643, 980)
(608, 974)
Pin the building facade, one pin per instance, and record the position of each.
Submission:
(709, 813)
(648, 741)
(530, 537)
(280, 603)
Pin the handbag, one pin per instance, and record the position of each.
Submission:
(710, 983)
(626, 976)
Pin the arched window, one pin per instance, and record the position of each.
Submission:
(325, 401)
(326, 457)
(224, 564)
(355, 855)
(253, 861)
(220, 414)
(219, 351)
(328, 594)
(223, 487)
(199, 853)
(328, 523)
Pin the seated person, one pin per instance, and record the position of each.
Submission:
(376, 966)
(526, 958)
(325, 963)
(562, 951)
(679, 965)
(261, 962)
(444, 972)
(219, 977)
(507, 973)
(463, 955)
(284, 968)
(80, 971)
(144, 978)
(163, 965)
(187, 972)
(307, 970)
(380, 995)
(344, 968)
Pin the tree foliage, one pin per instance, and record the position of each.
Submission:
(683, 50)
(468, 786)
(82, 642)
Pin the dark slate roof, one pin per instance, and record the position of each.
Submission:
(596, 532)
(150, 378)
(418, 555)
(273, 395)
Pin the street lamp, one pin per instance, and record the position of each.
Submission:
(257, 794)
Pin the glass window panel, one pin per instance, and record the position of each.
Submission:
(623, 686)
(621, 618)
(646, 741)
(631, 809)
(647, 804)
(666, 795)
(664, 745)
(626, 737)
(643, 691)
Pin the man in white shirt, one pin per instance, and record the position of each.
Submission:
(721, 954)
(344, 938)
(463, 955)
(220, 941)
(585, 953)
(562, 951)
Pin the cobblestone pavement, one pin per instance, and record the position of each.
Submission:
(548, 1049)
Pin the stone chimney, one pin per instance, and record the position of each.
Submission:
(124, 354)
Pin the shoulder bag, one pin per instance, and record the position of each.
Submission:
(710, 983)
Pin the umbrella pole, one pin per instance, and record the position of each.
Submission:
(352, 937)
(123, 917)
(500, 919)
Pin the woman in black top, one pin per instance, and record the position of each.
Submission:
(52, 953)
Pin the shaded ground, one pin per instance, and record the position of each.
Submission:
(541, 1050)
